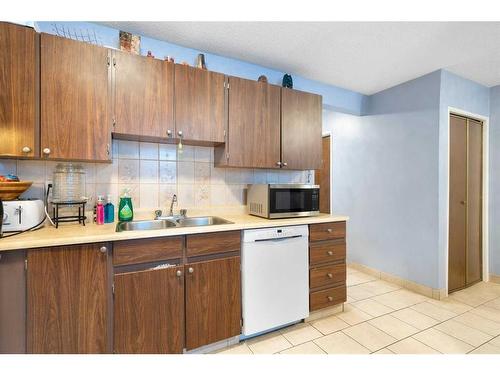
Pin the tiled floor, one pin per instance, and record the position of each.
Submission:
(383, 318)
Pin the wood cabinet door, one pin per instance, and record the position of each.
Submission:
(144, 95)
(18, 91)
(300, 129)
(67, 300)
(199, 104)
(149, 311)
(254, 124)
(75, 100)
(213, 301)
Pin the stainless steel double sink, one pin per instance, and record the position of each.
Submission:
(173, 222)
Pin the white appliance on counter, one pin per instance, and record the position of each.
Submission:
(21, 215)
(275, 277)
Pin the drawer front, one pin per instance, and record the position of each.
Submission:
(326, 252)
(147, 250)
(327, 275)
(327, 231)
(213, 243)
(327, 297)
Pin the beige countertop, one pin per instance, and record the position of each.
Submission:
(72, 234)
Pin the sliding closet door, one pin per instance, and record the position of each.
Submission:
(465, 228)
(458, 195)
(474, 202)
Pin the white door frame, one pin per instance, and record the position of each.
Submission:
(329, 134)
(485, 211)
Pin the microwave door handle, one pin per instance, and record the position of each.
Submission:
(278, 239)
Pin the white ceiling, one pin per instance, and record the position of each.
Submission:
(362, 56)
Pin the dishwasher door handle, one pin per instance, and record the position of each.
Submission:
(278, 239)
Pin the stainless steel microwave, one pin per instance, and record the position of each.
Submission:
(274, 201)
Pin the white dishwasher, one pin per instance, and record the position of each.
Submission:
(275, 277)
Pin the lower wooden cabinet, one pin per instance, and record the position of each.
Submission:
(67, 299)
(149, 311)
(213, 301)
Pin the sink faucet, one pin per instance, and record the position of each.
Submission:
(174, 200)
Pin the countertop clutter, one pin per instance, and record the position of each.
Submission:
(77, 234)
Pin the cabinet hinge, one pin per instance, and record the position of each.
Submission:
(114, 61)
(108, 61)
(226, 85)
(241, 322)
(107, 149)
(224, 135)
(114, 122)
(113, 289)
(227, 155)
(26, 264)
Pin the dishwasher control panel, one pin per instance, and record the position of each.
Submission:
(275, 233)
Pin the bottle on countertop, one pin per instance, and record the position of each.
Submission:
(109, 211)
(125, 208)
(100, 211)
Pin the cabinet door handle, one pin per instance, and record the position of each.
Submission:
(285, 164)
(278, 163)
(190, 270)
(179, 273)
(329, 230)
(46, 151)
(330, 253)
(103, 249)
(179, 133)
(26, 149)
(330, 298)
(169, 133)
(330, 276)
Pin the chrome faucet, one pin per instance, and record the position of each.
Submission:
(174, 200)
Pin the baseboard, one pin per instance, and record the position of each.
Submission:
(323, 313)
(494, 278)
(427, 291)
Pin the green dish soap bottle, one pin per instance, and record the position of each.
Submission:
(125, 208)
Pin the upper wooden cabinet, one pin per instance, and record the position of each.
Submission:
(75, 100)
(199, 105)
(253, 138)
(144, 95)
(149, 311)
(68, 290)
(301, 129)
(18, 91)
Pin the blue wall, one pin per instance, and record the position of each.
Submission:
(494, 188)
(385, 177)
(336, 98)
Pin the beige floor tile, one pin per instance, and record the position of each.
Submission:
(383, 351)
(494, 303)
(495, 341)
(393, 326)
(351, 270)
(442, 342)
(451, 305)
(329, 325)
(307, 348)
(241, 348)
(369, 336)
(414, 318)
(400, 299)
(352, 315)
(358, 292)
(486, 349)
(380, 287)
(269, 344)
(411, 346)
(476, 295)
(350, 299)
(373, 308)
(300, 333)
(488, 313)
(358, 278)
(482, 324)
(340, 343)
(462, 332)
(434, 311)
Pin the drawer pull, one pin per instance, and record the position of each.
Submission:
(330, 298)
(179, 273)
(330, 253)
(329, 230)
(329, 275)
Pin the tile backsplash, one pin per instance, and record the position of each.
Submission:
(154, 172)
